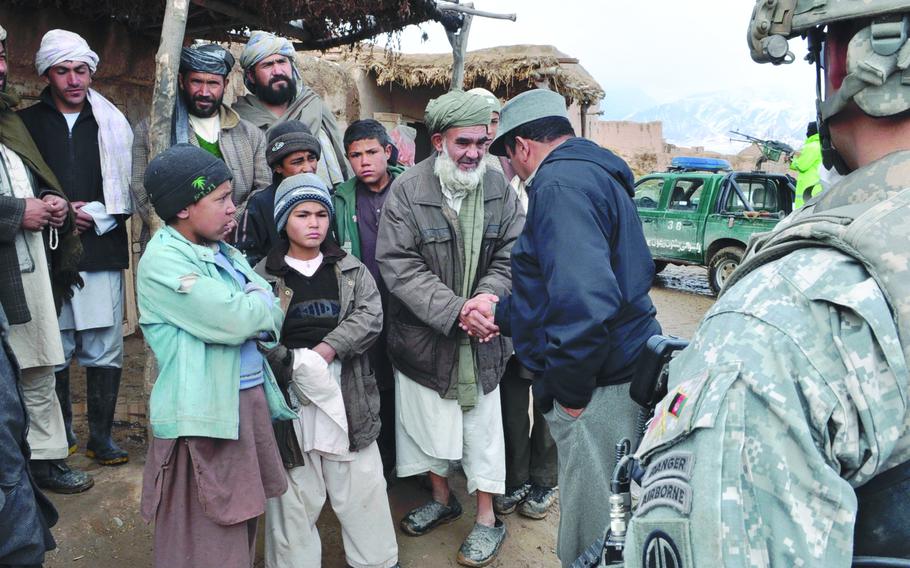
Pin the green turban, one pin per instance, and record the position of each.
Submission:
(457, 108)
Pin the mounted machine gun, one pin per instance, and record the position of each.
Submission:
(771, 150)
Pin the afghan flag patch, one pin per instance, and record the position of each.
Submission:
(678, 403)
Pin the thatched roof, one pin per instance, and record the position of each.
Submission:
(315, 24)
(506, 70)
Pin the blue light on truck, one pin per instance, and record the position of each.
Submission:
(700, 164)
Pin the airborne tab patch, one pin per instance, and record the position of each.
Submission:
(673, 464)
(673, 493)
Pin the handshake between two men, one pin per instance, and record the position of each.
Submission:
(477, 317)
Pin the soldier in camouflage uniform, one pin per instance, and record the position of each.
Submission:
(791, 403)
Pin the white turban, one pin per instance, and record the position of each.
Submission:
(491, 99)
(2, 34)
(58, 46)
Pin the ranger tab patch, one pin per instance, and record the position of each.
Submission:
(673, 464)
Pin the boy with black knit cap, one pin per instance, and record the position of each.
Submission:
(291, 150)
(212, 461)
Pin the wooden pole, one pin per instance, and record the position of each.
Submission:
(459, 43)
(459, 40)
(167, 64)
(584, 119)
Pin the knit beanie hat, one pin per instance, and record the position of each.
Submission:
(182, 175)
(294, 190)
(288, 137)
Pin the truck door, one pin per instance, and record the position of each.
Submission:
(648, 194)
(679, 229)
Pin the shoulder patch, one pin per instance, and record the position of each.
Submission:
(660, 551)
(673, 493)
(672, 464)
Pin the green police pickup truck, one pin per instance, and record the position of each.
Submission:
(702, 213)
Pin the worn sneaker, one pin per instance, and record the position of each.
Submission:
(538, 502)
(430, 515)
(482, 545)
(505, 504)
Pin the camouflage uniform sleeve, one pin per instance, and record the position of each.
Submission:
(789, 396)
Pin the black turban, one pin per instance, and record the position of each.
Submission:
(207, 58)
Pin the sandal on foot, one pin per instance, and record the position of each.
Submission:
(482, 545)
(430, 515)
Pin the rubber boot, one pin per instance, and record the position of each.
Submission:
(56, 476)
(66, 406)
(102, 385)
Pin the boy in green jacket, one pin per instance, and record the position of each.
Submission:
(213, 460)
(358, 205)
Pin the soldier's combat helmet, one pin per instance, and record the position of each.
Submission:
(876, 71)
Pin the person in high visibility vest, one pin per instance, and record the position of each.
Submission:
(806, 163)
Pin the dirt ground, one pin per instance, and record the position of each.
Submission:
(101, 528)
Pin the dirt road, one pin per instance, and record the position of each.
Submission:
(102, 528)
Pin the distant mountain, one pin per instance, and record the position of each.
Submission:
(621, 101)
(706, 119)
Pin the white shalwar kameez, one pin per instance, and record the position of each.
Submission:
(36, 343)
(431, 431)
(352, 481)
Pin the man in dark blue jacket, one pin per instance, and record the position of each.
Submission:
(26, 515)
(579, 313)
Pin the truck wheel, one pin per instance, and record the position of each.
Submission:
(722, 265)
(659, 266)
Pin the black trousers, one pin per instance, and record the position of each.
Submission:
(385, 382)
(26, 515)
(530, 450)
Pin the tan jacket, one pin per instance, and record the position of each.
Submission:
(242, 145)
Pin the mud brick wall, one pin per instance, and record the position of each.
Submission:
(126, 74)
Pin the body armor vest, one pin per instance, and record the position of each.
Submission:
(866, 216)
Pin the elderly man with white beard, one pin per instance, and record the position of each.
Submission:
(446, 236)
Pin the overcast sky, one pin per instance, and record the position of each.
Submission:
(668, 49)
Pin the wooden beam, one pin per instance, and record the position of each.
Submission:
(459, 40)
(167, 64)
(469, 10)
(203, 30)
(235, 13)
